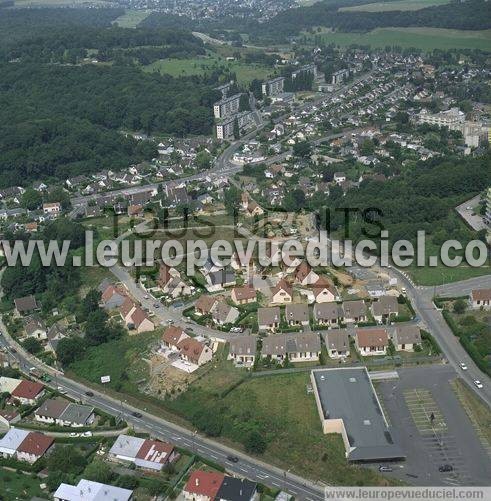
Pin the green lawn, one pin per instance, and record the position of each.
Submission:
(420, 38)
(131, 18)
(397, 5)
(121, 359)
(440, 275)
(19, 486)
(201, 65)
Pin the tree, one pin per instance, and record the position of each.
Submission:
(89, 304)
(31, 199)
(294, 200)
(203, 160)
(99, 471)
(236, 129)
(459, 306)
(231, 200)
(302, 149)
(66, 459)
(32, 345)
(70, 349)
(255, 442)
(244, 104)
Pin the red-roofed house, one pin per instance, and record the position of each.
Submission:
(203, 485)
(28, 392)
(127, 309)
(33, 447)
(324, 291)
(195, 352)
(154, 455)
(173, 336)
(113, 297)
(140, 321)
(243, 295)
(282, 293)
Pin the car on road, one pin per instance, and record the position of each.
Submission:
(87, 434)
(385, 469)
(170, 321)
(233, 459)
(188, 330)
(445, 468)
(463, 366)
(136, 414)
(61, 390)
(156, 305)
(145, 297)
(178, 304)
(73, 434)
(89, 393)
(478, 384)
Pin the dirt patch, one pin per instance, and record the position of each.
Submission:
(165, 379)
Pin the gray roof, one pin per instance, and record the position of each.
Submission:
(127, 445)
(407, 334)
(354, 309)
(281, 344)
(327, 311)
(243, 345)
(386, 305)
(348, 394)
(336, 339)
(27, 303)
(52, 408)
(222, 277)
(76, 413)
(236, 489)
(268, 316)
(297, 312)
(87, 490)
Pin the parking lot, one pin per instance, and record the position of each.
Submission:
(447, 438)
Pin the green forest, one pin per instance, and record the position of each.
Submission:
(60, 117)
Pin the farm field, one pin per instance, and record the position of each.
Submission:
(397, 5)
(131, 18)
(201, 65)
(419, 38)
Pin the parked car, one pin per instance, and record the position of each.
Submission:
(478, 384)
(73, 434)
(385, 469)
(87, 434)
(463, 366)
(445, 468)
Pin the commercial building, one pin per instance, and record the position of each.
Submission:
(273, 87)
(227, 107)
(348, 405)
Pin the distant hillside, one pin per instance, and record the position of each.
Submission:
(469, 15)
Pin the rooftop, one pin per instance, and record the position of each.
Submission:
(348, 394)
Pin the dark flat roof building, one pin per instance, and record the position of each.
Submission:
(347, 404)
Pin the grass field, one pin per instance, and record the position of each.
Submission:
(441, 275)
(132, 18)
(202, 65)
(420, 38)
(476, 410)
(19, 486)
(397, 5)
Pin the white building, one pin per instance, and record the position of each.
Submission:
(273, 87)
(225, 129)
(87, 490)
(227, 107)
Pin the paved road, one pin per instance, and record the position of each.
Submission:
(164, 430)
(466, 212)
(422, 300)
